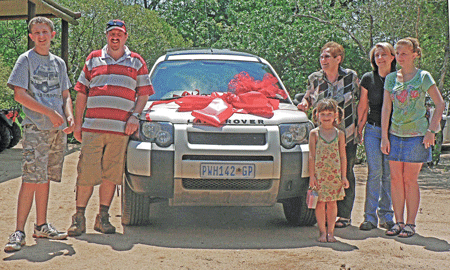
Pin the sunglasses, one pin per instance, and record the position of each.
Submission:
(115, 23)
(326, 57)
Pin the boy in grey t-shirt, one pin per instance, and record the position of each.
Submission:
(40, 83)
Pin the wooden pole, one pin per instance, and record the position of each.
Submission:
(65, 42)
(31, 14)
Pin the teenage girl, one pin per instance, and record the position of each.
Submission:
(327, 165)
(407, 141)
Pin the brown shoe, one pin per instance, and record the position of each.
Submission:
(103, 225)
(78, 225)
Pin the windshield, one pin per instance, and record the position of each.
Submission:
(171, 78)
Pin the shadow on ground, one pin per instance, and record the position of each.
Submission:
(44, 250)
(237, 228)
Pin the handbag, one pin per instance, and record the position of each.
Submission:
(311, 198)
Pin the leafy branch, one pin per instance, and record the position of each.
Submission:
(361, 47)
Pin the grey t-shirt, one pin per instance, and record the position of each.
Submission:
(45, 78)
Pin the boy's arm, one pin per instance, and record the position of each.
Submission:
(21, 95)
(80, 106)
(68, 110)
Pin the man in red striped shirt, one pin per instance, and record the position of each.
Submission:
(113, 89)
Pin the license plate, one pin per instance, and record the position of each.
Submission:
(227, 171)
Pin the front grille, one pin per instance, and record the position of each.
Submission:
(227, 184)
(226, 138)
(226, 158)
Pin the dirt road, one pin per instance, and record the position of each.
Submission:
(222, 238)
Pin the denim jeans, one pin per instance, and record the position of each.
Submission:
(378, 188)
(345, 206)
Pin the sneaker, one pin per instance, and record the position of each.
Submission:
(367, 226)
(78, 225)
(103, 225)
(15, 241)
(48, 231)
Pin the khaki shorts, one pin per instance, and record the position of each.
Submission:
(102, 157)
(43, 154)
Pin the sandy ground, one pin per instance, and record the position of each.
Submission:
(223, 238)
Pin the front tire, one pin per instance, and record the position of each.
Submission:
(297, 212)
(16, 135)
(5, 137)
(135, 207)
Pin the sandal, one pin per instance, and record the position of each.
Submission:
(342, 223)
(407, 231)
(396, 229)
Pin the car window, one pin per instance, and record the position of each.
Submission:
(171, 78)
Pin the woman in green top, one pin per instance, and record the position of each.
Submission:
(410, 134)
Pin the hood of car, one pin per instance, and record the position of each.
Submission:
(168, 112)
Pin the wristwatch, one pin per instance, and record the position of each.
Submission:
(135, 115)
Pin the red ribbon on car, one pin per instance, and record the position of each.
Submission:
(249, 96)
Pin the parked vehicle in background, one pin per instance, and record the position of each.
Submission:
(248, 160)
(443, 136)
(445, 125)
(10, 132)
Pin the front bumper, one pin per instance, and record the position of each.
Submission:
(174, 172)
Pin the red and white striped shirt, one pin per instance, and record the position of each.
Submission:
(112, 87)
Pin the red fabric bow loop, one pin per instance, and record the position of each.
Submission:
(250, 97)
(215, 113)
(193, 102)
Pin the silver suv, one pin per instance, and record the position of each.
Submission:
(249, 160)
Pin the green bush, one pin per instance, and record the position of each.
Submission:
(6, 93)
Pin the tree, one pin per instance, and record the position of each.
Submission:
(6, 93)
(201, 21)
(14, 40)
(149, 35)
(290, 33)
(148, 4)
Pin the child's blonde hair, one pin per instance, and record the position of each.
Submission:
(328, 104)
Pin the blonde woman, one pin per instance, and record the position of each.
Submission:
(408, 140)
(378, 205)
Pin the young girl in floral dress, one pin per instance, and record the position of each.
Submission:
(327, 165)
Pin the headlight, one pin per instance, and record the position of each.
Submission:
(293, 134)
(160, 133)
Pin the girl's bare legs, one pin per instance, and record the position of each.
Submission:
(405, 190)
(331, 220)
(397, 189)
(321, 221)
(412, 192)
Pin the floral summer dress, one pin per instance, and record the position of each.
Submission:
(328, 170)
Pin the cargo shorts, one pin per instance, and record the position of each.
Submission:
(43, 154)
(102, 157)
